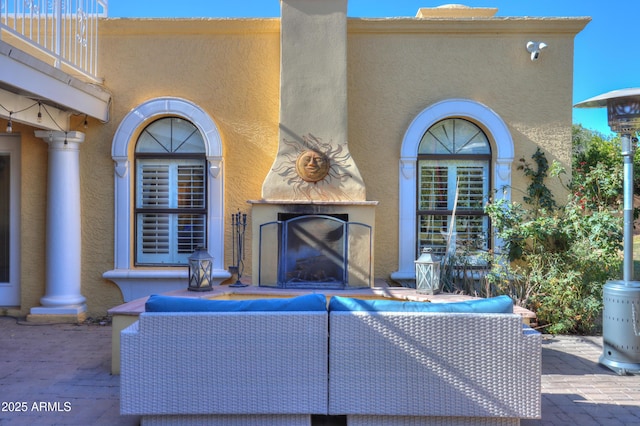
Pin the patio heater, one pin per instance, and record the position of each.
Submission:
(427, 273)
(200, 269)
(621, 299)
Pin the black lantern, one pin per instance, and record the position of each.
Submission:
(427, 273)
(200, 268)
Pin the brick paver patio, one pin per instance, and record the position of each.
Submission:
(60, 375)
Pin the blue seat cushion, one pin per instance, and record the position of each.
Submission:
(308, 302)
(492, 305)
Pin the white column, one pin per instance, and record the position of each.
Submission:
(407, 248)
(63, 235)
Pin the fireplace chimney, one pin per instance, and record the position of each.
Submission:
(313, 162)
(313, 227)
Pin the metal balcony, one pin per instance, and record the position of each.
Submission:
(62, 33)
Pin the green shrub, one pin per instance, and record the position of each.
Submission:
(556, 259)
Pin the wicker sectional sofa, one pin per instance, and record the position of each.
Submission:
(404, 367)
(280, 361)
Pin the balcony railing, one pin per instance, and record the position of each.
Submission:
(63, 33)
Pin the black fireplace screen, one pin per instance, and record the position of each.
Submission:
(315, 251)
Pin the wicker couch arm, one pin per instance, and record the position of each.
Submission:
(433, 364)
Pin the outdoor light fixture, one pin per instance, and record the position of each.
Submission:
(535, 47)
(427, 273)
(621, 307)
(200, 269)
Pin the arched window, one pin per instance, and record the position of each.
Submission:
(502, 151)
(454, 158)
(178, 149)
(170, 193)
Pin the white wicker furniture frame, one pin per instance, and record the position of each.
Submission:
(433, 368)
(376, 368)
(231, 368)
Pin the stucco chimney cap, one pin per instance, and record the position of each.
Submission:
(456, 11)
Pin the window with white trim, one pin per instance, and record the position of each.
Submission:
(454, 158)
(170, 193)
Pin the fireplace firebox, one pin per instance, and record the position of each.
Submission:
(319, 251)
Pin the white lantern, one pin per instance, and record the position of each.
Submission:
(427, 273)
(200, 269)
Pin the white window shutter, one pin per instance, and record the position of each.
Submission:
(154, 185)
(437, 185)
(164, 237)
(433, 188)
(191, 188)
(472, 182)
(191, 233)
(154, 232)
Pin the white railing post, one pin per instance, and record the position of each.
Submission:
(65, 30)
(57, 10)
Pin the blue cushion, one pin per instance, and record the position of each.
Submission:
(493, 305)
(309, 302)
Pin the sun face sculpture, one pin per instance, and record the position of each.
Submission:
(312, 166)
(315, 169)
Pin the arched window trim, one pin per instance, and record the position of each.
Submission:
(138, 282)
(497, 131)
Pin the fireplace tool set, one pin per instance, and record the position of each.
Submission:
(239, 226)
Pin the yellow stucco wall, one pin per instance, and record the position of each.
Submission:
(230, 68)
(397, 68)
(33, 199)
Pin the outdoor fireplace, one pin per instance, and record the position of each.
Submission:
(313, 227)
(320, 251)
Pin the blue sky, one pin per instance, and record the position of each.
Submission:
(606, 51)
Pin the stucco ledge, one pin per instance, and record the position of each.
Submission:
(137, 283)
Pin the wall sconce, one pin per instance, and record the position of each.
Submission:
(535, 47)
(200, 270)
(427, 273)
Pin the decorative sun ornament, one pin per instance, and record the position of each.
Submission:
(312, 166)
(314, 169)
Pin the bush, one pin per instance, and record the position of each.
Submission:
(556, 259)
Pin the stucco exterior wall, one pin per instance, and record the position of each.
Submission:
(230, 68)
(398, 67)
(33, 157)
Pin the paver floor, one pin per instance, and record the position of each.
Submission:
(60, 375)
(576, 390)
